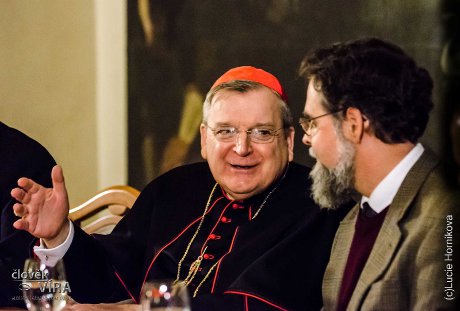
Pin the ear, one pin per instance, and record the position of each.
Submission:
(290, 142)
(203, 135)
(353, 126)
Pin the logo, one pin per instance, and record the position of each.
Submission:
(39, 280)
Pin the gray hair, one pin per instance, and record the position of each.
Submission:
(244, 86)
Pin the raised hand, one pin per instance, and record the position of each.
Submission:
(43, 211)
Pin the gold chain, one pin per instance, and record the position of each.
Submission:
(194, 267)
(204, 279)
(270, 193)
(263, 203)
(196, 264)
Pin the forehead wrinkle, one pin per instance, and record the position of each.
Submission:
(262, 124)
(223, 124)
(225, 94)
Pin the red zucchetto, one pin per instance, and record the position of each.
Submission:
(249, 73)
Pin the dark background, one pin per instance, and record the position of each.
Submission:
(195, 41)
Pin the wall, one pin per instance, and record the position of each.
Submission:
(56, 85)
(195, 41)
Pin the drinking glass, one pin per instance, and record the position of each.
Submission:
(44, 287)
(164, 296)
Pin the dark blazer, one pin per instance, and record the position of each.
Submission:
(276, 261)
(20, 156)
(405, 269)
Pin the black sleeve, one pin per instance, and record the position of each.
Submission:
(90, 273)
(106, 268)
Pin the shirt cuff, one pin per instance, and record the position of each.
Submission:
(50, 256)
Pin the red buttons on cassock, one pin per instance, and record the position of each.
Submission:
(213, 236)
(208, 256)
(237, 206)
(225, 220)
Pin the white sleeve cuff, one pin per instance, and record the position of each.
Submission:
(50, 256)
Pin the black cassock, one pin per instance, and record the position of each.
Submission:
(273, 261)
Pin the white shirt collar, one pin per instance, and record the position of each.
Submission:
(386, 190)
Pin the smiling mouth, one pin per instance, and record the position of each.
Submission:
(242, 167)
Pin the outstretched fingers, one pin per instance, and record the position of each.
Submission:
(26, 188)
(28, 185)
(43, 211)
(21, 224)
(18, 194)
(20, 211)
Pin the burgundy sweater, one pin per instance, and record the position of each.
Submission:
(366, 231)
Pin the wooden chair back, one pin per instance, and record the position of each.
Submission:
(103, 211)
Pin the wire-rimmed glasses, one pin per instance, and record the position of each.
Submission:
(256, 135)
(307, 124)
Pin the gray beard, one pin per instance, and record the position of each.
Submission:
(333, 187)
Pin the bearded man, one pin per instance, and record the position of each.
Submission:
(367, 105)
